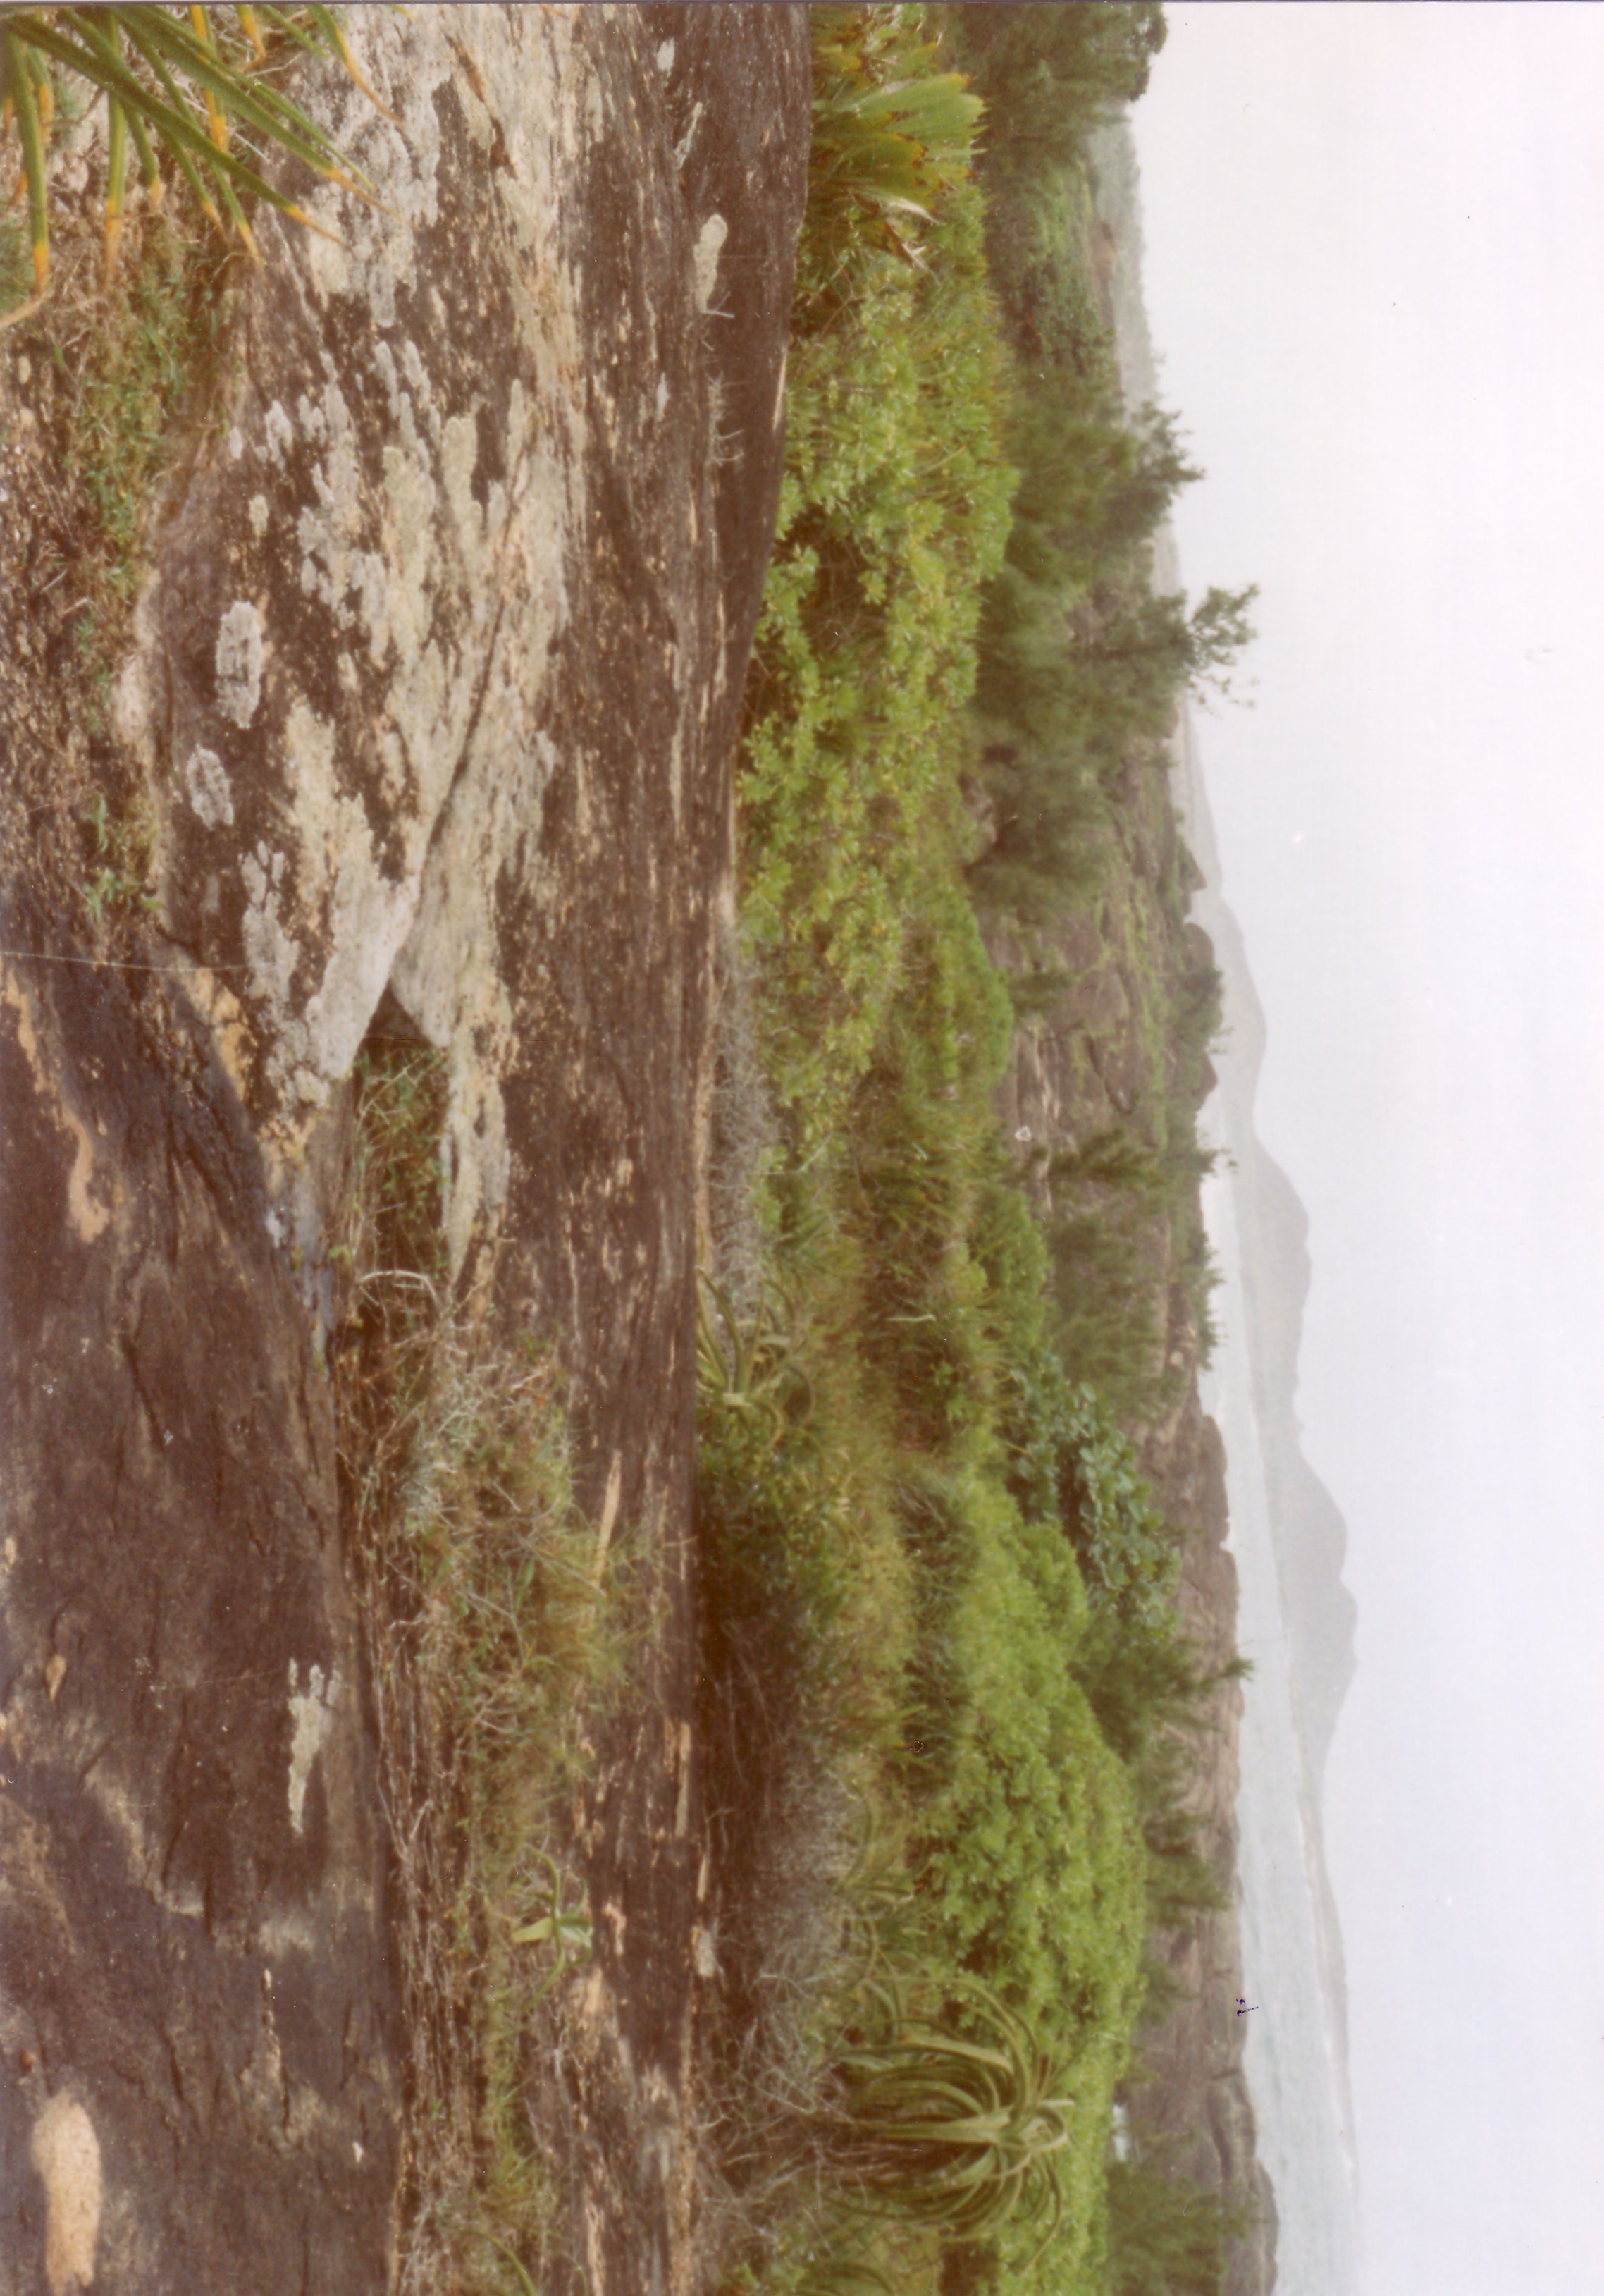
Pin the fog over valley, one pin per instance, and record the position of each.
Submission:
(1374, 250)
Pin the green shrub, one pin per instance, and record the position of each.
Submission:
(893, 513)
(1167, 2236)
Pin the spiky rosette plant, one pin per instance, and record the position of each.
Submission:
(890, 135)
(194, 86)
(955, 2129)
(750, 1367)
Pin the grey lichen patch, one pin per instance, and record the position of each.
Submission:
(448, 975)
(346, 578)
(435, 491)
(239, 662)
(66, 2155)
(278, 433)
(210, 790)
(270, 952)
(710, 247)
(311, 1719)
(356, 915)
(328, 905)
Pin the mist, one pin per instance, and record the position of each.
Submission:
(1375, 276)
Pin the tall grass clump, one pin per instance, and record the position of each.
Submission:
(489, 1634)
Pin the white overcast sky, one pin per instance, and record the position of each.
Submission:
(1375, 274)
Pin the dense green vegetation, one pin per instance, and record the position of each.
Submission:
(945, 1676)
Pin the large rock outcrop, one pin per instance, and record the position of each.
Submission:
(432, 698)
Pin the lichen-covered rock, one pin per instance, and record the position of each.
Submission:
(432, 695)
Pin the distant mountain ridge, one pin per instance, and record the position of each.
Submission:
(1309, 1537)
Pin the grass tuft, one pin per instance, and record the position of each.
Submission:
(491, 1637)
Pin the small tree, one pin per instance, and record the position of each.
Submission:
(1049, 73)
(1159, 651)
(1216, 633)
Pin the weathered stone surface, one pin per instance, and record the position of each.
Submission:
(191, 1867)
(433, 693)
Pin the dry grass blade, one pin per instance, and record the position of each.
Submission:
(487, 1638)
(178, 86)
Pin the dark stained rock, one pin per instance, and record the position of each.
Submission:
(195, 1979)
(432, 697)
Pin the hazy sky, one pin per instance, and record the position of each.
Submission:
(1375, 274)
